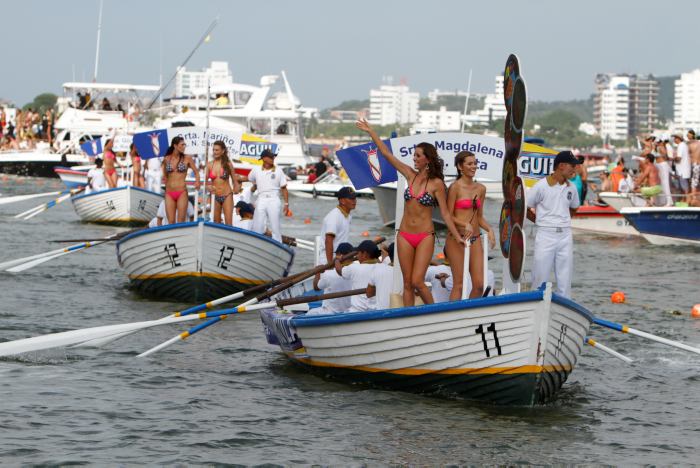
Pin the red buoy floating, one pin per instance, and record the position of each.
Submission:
(695, 311)
(618, 297)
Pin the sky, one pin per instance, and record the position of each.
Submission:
(337, 50)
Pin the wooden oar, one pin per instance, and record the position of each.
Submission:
(88, 335)
(114, 237)
(45, 206)
(294, 242)
(625, 329)
(21, 264)
(19, 198)
(465, 272)
(593, 343)
(245, 308)
(270, 293)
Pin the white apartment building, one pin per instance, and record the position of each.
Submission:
(613, 118)
(494, 107)
(186, 81)
(625, 106)
(391, 105)
(686, 103)
(439, 120)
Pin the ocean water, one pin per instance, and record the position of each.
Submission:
(227, 397)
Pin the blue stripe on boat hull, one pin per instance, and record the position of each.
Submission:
(681, 224)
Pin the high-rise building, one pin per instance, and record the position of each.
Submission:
(625, 105)
(440, 120)
(391, 105)
(494, 107)
(686, 103)
(188, 81)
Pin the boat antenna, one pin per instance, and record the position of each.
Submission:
(199, 43)
(466, 101)
(97, 49)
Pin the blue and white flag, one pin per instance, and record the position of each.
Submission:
(155, 143)
(152, 144)
(93, 147)
(365, 165)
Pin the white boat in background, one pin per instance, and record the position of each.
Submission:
(75, 126)
(121, 206)
(250, 109)
(622, 200)
(325, 187)
(199, 261)
(602, 220)
(515, 349)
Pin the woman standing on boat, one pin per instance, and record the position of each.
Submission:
(175, 165)
(416, 239)
(136, 168)
(110, 164)
(220, 171)
(466, 201)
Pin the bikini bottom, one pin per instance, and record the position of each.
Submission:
(415, 239)
(174, 194)
(222, 198)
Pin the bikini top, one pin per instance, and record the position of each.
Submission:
(424, 198)
(468, 204)
(224, 174)
(109, 155)
(181, 167)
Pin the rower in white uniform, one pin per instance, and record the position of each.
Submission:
(154, 175)
(552, 202)
(270, 181)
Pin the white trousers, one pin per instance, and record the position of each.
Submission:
(267, 213)
(154, 181)
(554, 250)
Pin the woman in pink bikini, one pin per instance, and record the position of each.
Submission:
(136, 175)
(110, 163)
(466, 201)
(175, 165)
(220, 171)
(416, 239)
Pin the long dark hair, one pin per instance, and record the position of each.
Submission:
(459, 159)
(225, 161)
(434, 161)
(171, 149)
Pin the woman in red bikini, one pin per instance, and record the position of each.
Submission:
(220, 171)
(136, 175)
(110, 163)
(416, 239)
(466, 201)
(175, 165)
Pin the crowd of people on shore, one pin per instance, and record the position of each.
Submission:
(23, 129)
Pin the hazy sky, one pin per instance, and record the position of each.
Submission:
(335, 50)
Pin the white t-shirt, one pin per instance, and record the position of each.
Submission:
(359, 275)
(268, 181)
(440, 293)
(245, 224)
(336, 223)
(683, 166)
(97, 177)
(552, 203)
(331, 282)
(153, 164)
(382, 279)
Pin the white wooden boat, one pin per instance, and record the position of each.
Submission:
(324, 188)
(200, 261)
(122, 206)
(514, 349)
(666, 225)
(73, 177)
(602, 220)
